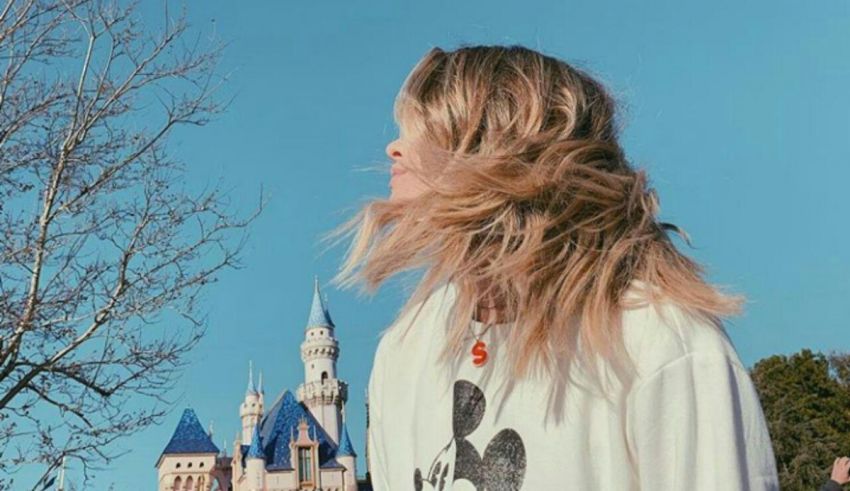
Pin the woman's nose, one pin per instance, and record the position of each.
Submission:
(394, 150)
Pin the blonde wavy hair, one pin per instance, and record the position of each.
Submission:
(529, 192)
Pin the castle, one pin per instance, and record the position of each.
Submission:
(300, 443)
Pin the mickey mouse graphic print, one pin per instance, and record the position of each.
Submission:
(691, 420)
(502, 465)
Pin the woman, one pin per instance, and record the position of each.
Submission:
(557, 338)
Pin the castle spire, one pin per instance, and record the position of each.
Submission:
(260, 383)
(251, 389)
(319, 316)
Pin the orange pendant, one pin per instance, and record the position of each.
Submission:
(479, 353)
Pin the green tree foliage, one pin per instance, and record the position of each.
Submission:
(806, 400)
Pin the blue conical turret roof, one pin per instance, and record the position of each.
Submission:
(190, 436)
(345, 446)
(255, 451)
(319, 316)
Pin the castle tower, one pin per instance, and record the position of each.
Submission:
(251, 409)
(189, 459)
(322, 392)
(255, 464)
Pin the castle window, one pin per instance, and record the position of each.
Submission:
(305, 465)
(324, 376)
(201, 464)
(189, 465)
(178, 465)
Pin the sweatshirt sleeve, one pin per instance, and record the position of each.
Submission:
(696, 423)
(831, 485)
(377, 467)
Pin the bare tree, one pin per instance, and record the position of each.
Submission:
(104, 248)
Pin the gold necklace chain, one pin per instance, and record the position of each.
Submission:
(478, 336)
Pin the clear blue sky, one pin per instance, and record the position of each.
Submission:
(738, 110)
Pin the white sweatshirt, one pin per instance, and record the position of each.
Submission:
(691, 420)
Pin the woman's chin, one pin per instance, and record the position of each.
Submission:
(397, 193)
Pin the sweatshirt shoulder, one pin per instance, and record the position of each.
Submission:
(658, 334)
(419, 322)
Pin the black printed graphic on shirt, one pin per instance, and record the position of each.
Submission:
(502, 467)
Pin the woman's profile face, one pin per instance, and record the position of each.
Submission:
(403, 183)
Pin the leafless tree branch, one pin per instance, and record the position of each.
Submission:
(105, 250)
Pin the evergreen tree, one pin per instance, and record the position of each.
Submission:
(806, 401)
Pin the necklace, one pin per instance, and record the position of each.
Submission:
(479, 349)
